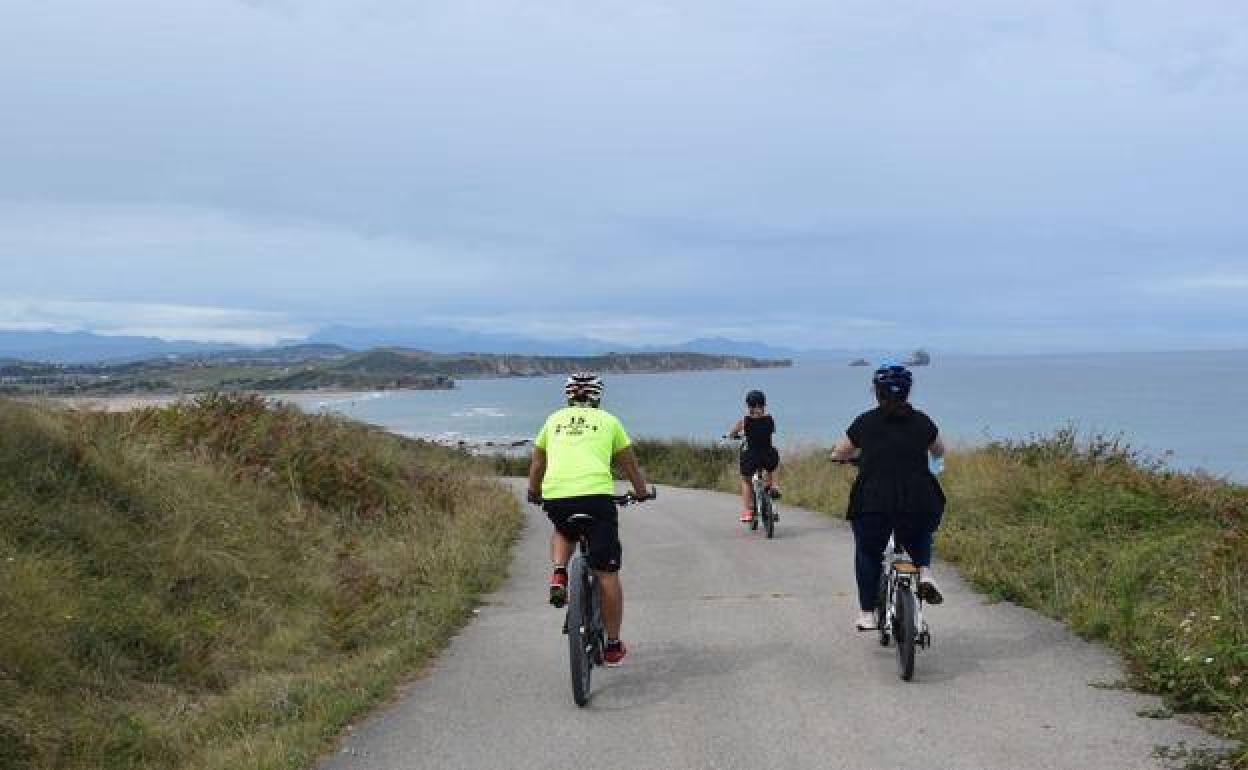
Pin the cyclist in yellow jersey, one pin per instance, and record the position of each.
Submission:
(571, 473)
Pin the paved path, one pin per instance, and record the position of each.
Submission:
(744, 656)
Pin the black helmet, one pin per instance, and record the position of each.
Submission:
(755, 399)
(894, 380)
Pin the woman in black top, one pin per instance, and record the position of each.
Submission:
(759, 452)
(896, 491)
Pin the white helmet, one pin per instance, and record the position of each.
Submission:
(583, 387)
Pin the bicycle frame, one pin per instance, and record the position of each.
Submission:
(595, 632)
(759, 483)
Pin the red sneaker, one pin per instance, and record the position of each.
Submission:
(558, 588)
(747, 516)
(614, 654)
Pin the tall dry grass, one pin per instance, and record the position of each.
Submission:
(223, 584)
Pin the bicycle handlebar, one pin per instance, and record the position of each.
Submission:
(629, 498)
(624, 499)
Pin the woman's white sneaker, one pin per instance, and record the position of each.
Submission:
(928, 591)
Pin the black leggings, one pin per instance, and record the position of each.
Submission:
(871, 531)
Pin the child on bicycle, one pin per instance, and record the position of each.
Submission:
(759, 452)
(896, 491)
(571, 473)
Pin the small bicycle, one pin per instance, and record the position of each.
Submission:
(899, 608)
(764, 508)
(583, 623)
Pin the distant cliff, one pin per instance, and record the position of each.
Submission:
(324, 367)
(505, 365)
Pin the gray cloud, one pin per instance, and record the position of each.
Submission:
(1066, 175)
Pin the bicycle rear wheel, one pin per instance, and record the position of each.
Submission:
(758, 504)
(906, 612)
(598, 639)
(580, 629)
(769, 517)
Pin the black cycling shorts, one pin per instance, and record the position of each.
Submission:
(605, 550)
(752, 459)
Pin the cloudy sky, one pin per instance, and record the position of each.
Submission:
(978, 176)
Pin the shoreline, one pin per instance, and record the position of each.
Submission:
(127, 403)
(305, 400)
(343, 401)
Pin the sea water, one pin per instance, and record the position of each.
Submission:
(1187, 408)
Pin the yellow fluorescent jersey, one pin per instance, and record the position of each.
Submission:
(579, 442)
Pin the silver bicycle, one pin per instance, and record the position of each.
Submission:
(899, 608)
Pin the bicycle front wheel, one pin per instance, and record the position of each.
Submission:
(905, 613)
(881, 608)
(580, 629)
(758, 504)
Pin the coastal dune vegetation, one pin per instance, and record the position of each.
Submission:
(1125, 551)
(223, 583)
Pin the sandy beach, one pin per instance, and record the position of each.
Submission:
(305, 399)
(110, 403)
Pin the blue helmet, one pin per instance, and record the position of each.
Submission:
(894, 380)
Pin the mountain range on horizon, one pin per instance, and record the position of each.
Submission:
(80, 347)
(449, 340)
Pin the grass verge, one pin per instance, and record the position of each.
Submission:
(223, 584)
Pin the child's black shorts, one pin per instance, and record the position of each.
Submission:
(605, 550)
(752, 459)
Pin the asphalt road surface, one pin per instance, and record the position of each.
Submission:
(744, 655)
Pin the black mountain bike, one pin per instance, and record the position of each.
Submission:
(583, 624)
(899, 608)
